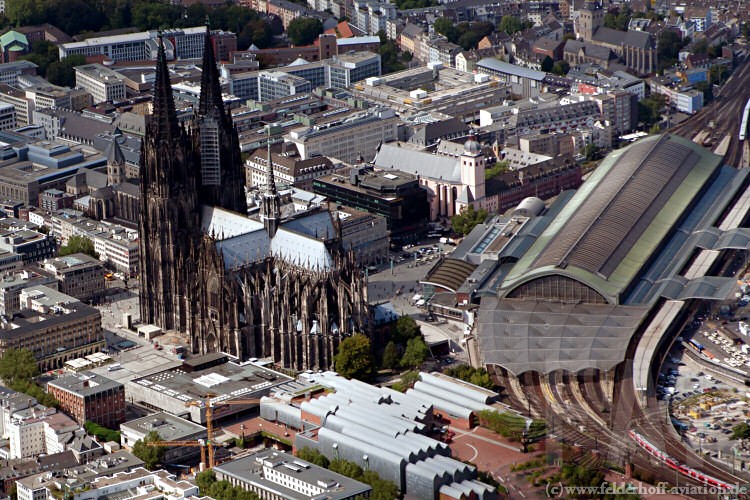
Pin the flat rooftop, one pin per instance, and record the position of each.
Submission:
(85, 383)
(226, 381)
(169, 427)
(325, 483)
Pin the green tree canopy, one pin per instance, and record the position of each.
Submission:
(561, 68)
(465, 221)
(152, 456)
(650, 108)
(547, 64)
(101, 433)
(407, 381)
(205, 480)
(62, 73)
(304, 30)
(405, 328)
(43, 53)
(391, 359)
(415, 354)
(476, 376)
(741, 431)
(313, 456)
(512, 24)
(18, 365)
(354, 359)
(618, 20)
(79, 244)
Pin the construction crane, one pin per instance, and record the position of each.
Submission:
(208, 460)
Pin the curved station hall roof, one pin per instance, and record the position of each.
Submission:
(580, 291)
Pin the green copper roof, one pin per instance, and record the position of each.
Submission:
(619, 216)
(11, 37)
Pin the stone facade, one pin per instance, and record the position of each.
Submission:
(231, 283)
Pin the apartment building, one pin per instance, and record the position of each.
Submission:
(288, 167)
(87, 396)
(104, 84)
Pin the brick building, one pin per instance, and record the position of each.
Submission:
(90, 397)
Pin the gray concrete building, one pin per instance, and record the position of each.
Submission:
(169, 428)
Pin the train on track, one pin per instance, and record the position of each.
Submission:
(674, 464)
(743, 125)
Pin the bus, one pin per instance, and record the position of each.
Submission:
(696, 345)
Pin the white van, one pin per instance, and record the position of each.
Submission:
(114, 367)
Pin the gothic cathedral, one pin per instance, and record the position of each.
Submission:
(278, 288)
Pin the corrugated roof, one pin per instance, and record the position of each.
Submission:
(620, 215)
(511, 69)
(450, 273)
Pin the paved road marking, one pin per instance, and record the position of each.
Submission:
(488, 440)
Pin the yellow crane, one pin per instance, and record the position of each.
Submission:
(206, 445)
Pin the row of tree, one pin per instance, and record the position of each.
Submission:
(77, 17)
(381, 489)
(19, 370)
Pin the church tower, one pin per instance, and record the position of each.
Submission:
(115, 161)
(590, 18)
(168, 220)
(473, 166)
(270, 209)
(222, 180)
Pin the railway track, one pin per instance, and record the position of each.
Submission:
(725, 116)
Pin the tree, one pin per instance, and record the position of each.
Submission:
(18, 365)
(313, 456)
(649, 109)
(43, 53)
(476, 376)
(407, 381)
(445, 27)
(391, 358)
(469, 40)
(25, 12)
(668, 49)
(741, 431)
(406, 328)
(415, 354)
(619, 20)
(511, 25)
(561, 68)
(62, 73)
(354, 359)
(465, 221)
(79, 244)
(498, 168)
(591, 152)
(346, 468)
(304, 30)
(205, 480)
(151, 455)
(547, 64)
(708, 91)
(101, 433)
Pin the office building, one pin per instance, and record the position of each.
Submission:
(53, 326)
(288, 167)
(79, 275)
(88, 397)
(275, 475)
(104, 84)
(392, 194)
(184, 43)
(347, 140)
(170, 428)
(275, 85)
(13, 282)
